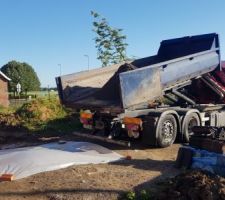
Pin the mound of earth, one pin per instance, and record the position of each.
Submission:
(9, 121)
(41, 110)
(194, 185)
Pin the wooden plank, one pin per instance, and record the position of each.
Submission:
(103, 139)
(216, 146)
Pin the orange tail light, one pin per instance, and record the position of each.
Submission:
(86, 115)
(132, 120)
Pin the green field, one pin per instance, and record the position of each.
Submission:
(43, 93)
(36, 94)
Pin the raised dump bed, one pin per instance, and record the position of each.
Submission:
(127, 85)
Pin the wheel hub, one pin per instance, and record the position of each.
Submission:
(168, 130)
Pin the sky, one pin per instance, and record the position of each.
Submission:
(54, 34)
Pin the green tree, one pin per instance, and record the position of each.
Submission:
(110, 42)
(21, 73)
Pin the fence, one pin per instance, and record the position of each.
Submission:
(18, 100)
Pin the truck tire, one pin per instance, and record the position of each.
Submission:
(189, 122)
(166, 130)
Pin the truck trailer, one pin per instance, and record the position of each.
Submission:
(154, 99)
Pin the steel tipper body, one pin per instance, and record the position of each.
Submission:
(128, 96)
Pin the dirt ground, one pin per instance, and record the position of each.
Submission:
(101, 181)
(192, 184)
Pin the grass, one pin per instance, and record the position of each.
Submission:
(40, 94)
(40, 115)
(37, 94)
(141, 195)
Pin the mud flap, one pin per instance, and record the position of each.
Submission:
(149, 130)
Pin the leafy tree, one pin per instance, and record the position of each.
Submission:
(110, 42)
(21, 73)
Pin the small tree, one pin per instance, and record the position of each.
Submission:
(21, 73)
(110, 42)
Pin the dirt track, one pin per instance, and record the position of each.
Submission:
(102, 181)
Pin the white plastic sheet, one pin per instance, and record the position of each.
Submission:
(23, 162)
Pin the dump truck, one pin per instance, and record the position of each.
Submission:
(154, 99)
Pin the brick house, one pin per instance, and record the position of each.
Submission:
(4, 98)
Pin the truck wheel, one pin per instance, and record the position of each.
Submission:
(190, 121)
(166, 130)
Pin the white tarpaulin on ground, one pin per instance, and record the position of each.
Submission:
(23, 162)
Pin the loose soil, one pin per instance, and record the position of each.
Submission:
(195, 185)
(101, 181)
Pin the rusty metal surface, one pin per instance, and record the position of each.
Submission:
(112, 109)
(140, 86)
(80, 85)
